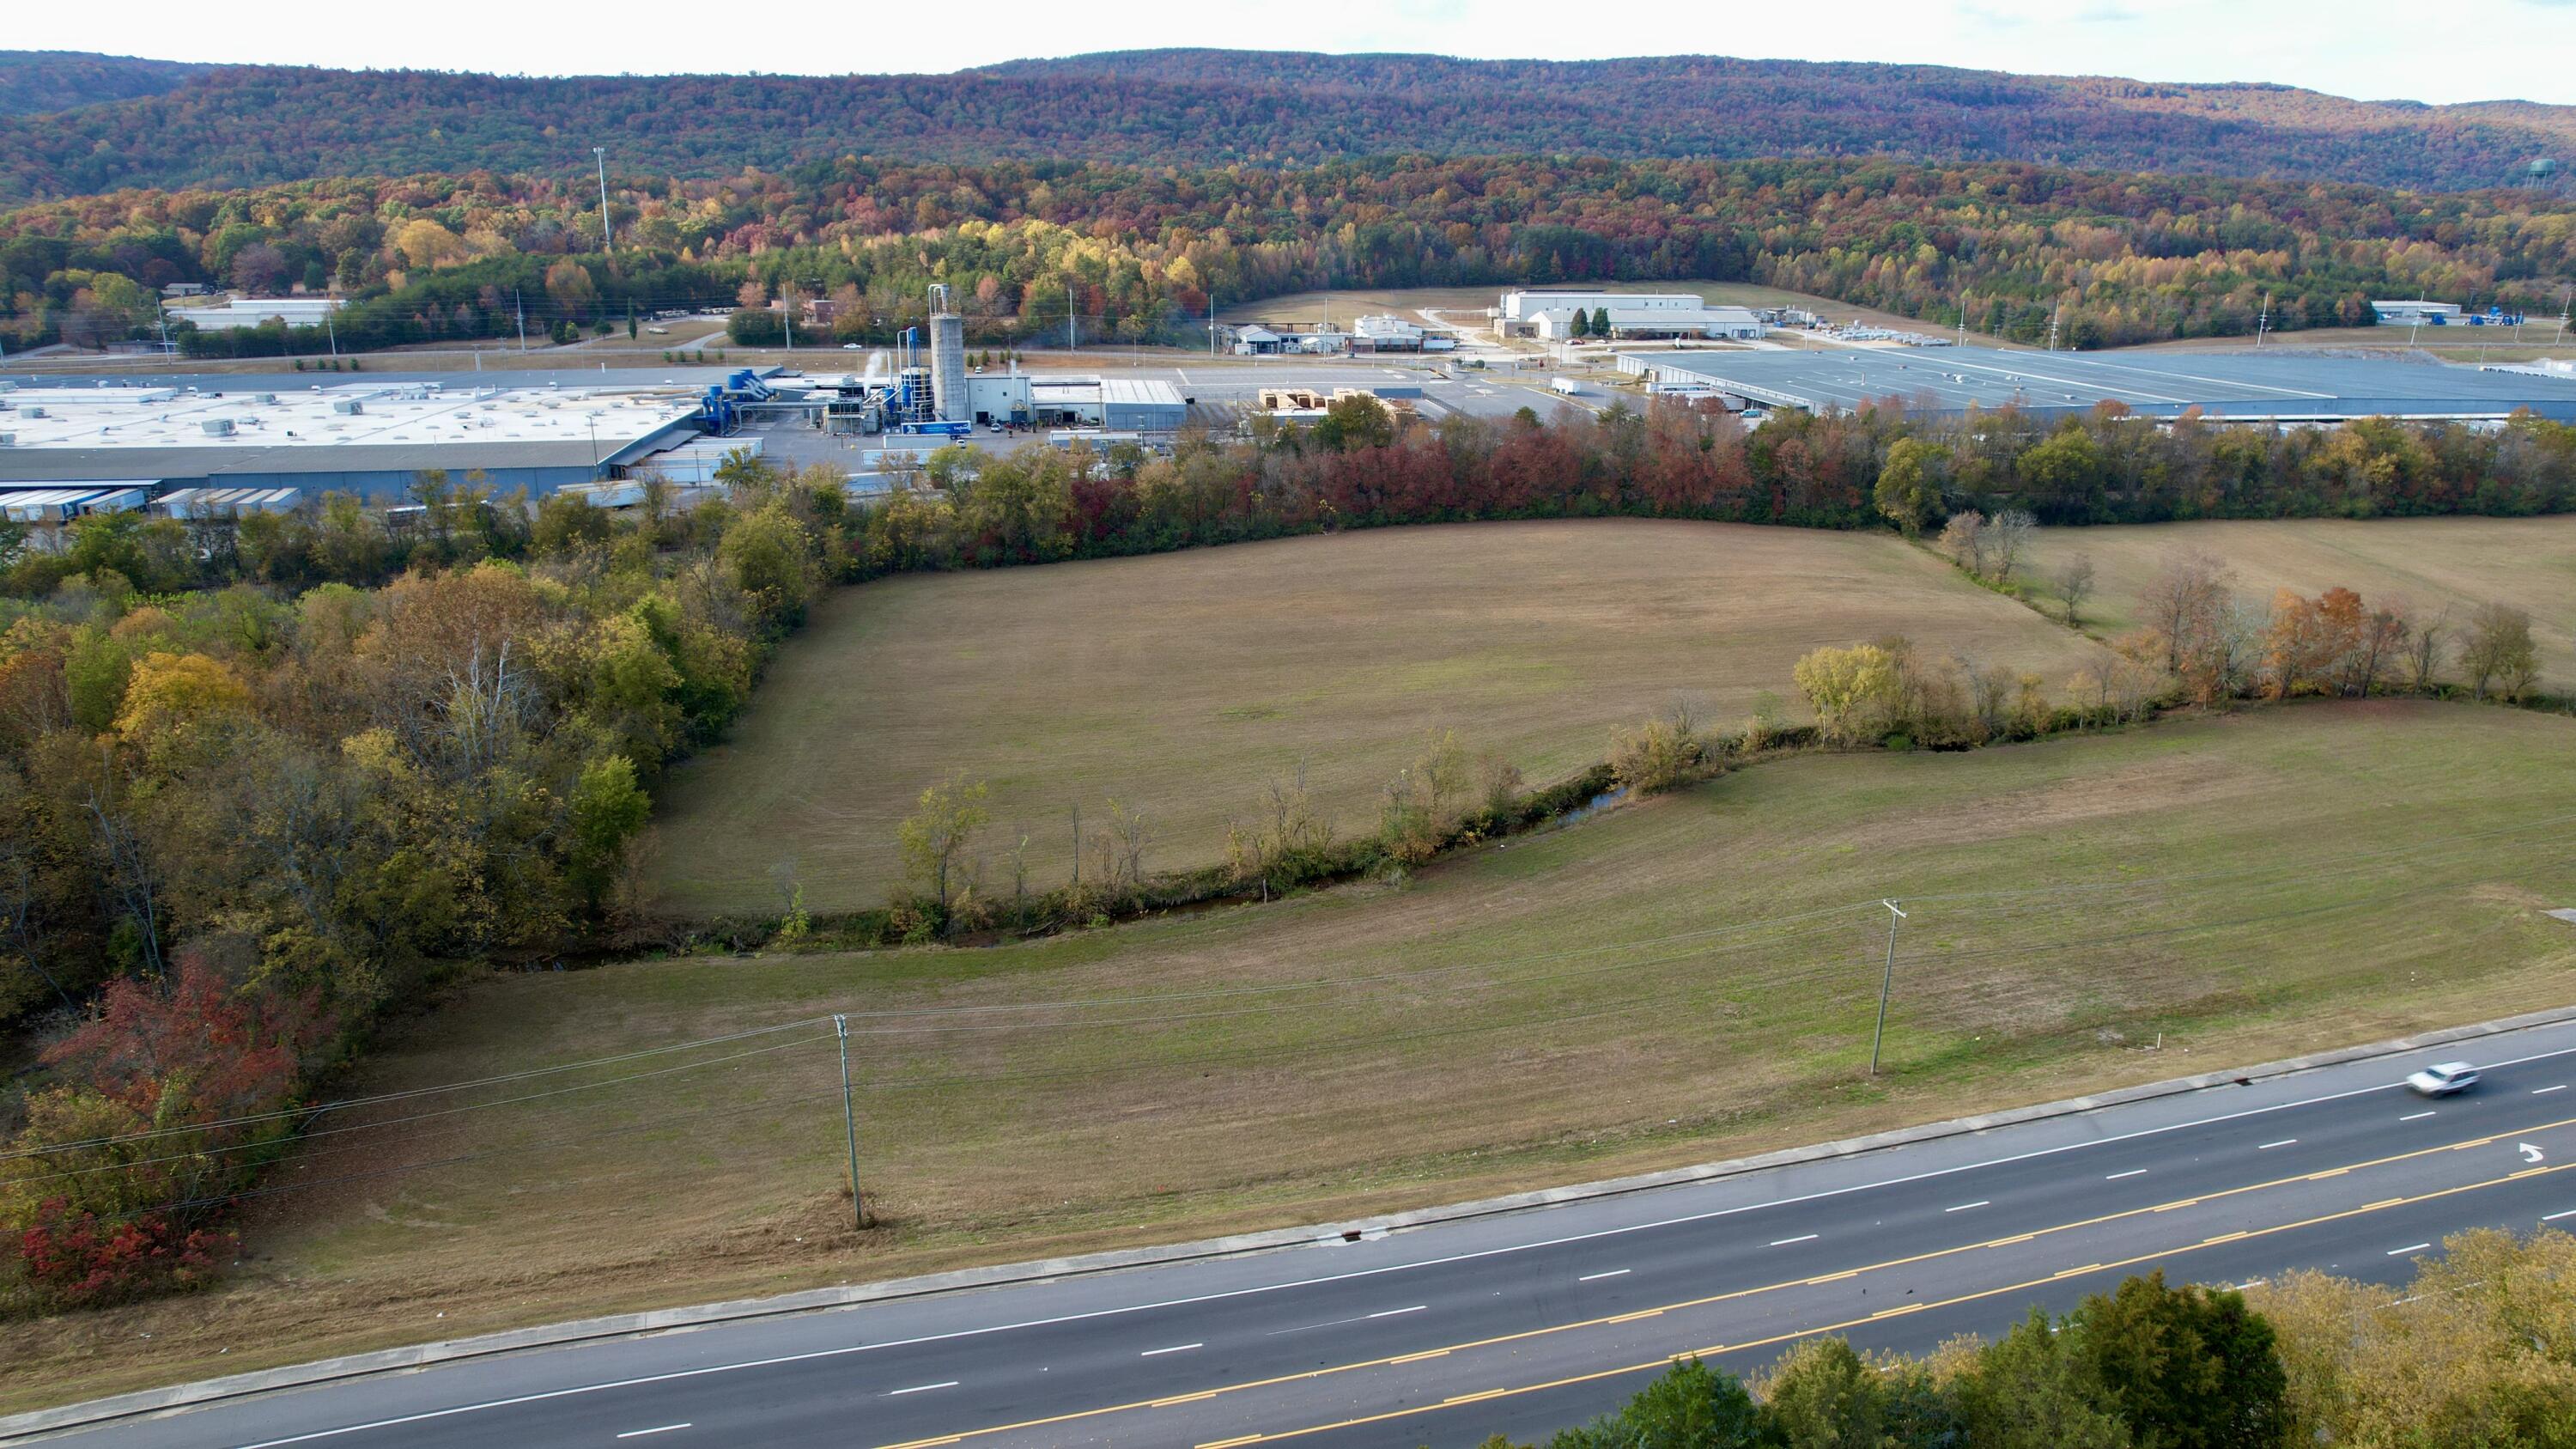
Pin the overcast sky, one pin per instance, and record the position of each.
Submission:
(2455, 50)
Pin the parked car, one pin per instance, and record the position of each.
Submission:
(2444, 1079)
(849, 347)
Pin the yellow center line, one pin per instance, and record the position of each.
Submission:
(1733, 1294)
(1714, 1350)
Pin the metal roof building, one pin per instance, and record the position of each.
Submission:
(2246, 386)
(369, 438)
(1122, 404)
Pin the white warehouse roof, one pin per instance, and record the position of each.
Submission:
(70, 433)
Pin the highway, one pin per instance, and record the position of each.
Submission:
(1524, 1322)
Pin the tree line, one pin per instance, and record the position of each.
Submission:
(250, 125)
(2007, 250)
(2468, 1353)
(1364, 466)
(252, 799)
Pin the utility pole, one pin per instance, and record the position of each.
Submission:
(2263, 320)
(522, 309)
(604, 241)
(850, 1124)
(1069, 343)
(331, 330)
(1885, 983)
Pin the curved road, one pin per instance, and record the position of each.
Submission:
(1528, 1321)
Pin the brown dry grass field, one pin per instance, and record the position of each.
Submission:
(1177, 684)
(2529, 563)
(1675, 981)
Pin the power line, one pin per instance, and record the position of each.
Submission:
(347, 1103)
(2042, 896)
(299, 1137)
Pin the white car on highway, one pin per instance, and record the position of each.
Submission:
(2444, 1079)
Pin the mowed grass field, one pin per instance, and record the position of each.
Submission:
(1684, 979)
(1178, 684)
(2529, 563)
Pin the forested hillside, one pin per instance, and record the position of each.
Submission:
(2111, 259)
(254, 125)
(35, 81)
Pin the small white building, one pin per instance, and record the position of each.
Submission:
(1385, 333)
(235, 313)
(2408, 314)
(1549, 315)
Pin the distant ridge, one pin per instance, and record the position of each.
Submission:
(36, 81)
(245, 125)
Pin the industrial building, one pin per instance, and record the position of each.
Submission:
(1385, 334)
(1118, 404)
(2243, 386)
(1309, 339)
(240, 312)
(1549, 315)
(366, 438)
(2440, 314)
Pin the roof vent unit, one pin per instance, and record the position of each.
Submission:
(8, 440)
(31, 412)
(347, 405)
(217, 427)
(263, 397)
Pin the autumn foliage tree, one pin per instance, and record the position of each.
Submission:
(172, 1102)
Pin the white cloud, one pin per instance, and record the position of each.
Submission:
(2479, 49)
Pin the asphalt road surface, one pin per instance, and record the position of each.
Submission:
(1529, 1321)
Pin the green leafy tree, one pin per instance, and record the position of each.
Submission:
(1355, 422)
(1909, 490)
(937, 835)
(1601, 322)
(607, 808)
(1690, 1406)
(1823, 1395)
(2029, 1390)
(2187, 1368)
(771, 559)
(1851, 690)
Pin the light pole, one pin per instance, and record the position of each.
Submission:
(1885, 982)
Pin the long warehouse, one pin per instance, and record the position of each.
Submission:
(2279, 387)
(369, 438)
